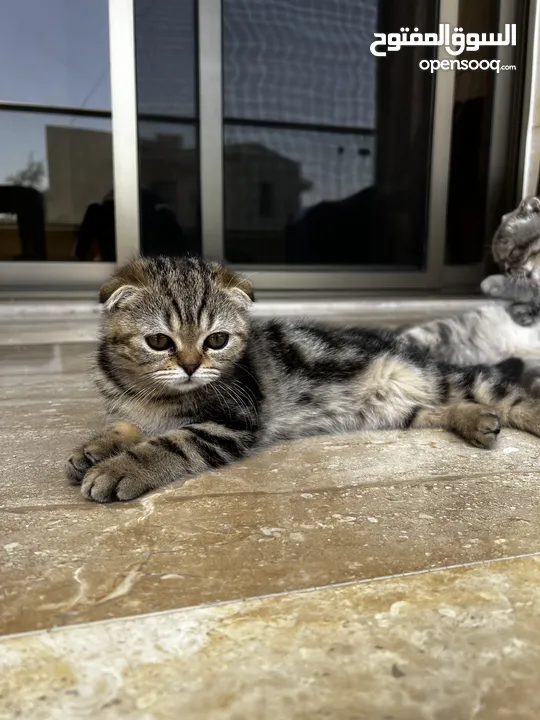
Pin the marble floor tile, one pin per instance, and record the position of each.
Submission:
(427, 551)
(460, 644)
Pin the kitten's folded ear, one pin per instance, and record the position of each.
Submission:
(119, 297)
(122, 285)
(240, 287)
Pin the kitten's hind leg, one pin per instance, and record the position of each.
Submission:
(476, 423)
(515, 406)
(524, 314)
(110, 441)
(522, 412)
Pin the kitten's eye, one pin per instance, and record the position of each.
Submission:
(159, 341)
(216, 341)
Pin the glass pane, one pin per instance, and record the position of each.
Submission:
(55, 52)
(471, 140)
(168, 126)
(327, 148)
(291, 61)
(166, 57)
(169, 176)
(56, 181)
(272, 176)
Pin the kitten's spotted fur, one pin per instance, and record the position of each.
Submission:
(189, 403)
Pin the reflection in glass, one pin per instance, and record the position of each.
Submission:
(327, 148)
(56, 175)
(56, 180)
(287, 192)
(169, 177)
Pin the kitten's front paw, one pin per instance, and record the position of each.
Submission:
(111, 441)
(493, 286)
(120, 478)
(76, 466)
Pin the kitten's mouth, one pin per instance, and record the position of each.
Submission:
(174, 382)
(190, 383)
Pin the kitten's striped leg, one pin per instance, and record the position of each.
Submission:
(110, 441)
(515, 406)
(471, 401)
(164, 459)
(478, 424)
(522, 412)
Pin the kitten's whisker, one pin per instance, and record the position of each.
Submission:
(244, 368)
(237, 394)
(230, 393)
(246, 394)
(222, 399)
(141, 394)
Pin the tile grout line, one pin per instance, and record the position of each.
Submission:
(285, 593)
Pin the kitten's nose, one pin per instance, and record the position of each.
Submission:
(190, 367)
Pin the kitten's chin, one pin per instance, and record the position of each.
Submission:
(184, 386)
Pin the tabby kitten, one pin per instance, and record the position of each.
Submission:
(516, 249)
(191, 383)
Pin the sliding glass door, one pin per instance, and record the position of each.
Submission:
(260, 133)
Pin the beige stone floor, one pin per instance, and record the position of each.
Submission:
(377, 576)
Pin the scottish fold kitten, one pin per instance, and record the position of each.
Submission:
(516, 249)
(191, 382)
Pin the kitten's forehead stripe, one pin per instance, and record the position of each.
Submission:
(169, 319)
(204, 300)
(176, 307)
